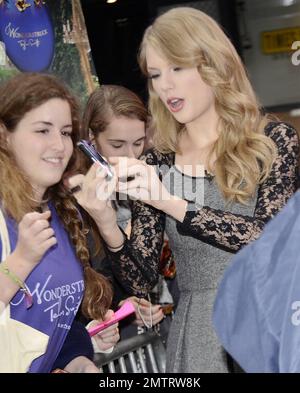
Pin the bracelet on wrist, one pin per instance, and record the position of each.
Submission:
(13, 277)
(121, 245)
(115, 248)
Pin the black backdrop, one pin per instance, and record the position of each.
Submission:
(115, 31)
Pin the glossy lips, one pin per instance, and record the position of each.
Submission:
(175, 104)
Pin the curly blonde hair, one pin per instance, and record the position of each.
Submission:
(187, 37)
(20, 95)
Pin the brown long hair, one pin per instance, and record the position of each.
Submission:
(20, 95)
(107, 101)
(187, 37)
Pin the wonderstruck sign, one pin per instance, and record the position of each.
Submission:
(27, 32)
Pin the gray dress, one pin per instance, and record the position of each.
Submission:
(192, 343)
(203, 245)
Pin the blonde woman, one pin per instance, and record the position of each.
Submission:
(206, 119)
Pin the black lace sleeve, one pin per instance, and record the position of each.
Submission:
(232, 231)
(135, 266)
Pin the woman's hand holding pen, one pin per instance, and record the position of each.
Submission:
(139, 181)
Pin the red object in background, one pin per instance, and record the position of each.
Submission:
(167, 265)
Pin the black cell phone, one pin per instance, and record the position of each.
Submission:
(95, 156)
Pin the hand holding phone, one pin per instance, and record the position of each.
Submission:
(123, 312)
(95, 156)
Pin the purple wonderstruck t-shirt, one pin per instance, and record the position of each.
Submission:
(57, 287)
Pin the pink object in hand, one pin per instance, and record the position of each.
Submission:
(123, 312)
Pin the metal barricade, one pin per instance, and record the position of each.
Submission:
(142, 353)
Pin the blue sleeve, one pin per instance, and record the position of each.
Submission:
(256, 303)
(237, 317)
